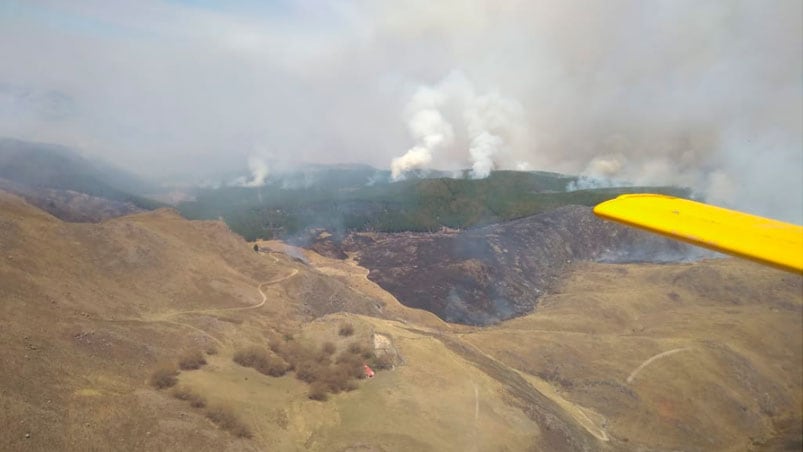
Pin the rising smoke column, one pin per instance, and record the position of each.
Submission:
(259, 170)
(429, 129)
(492, 124)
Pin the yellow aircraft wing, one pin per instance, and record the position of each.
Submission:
(761, 239)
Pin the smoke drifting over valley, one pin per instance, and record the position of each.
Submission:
(701, 94)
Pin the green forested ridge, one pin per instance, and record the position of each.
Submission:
(411, 205)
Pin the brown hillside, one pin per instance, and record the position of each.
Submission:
(95, 317)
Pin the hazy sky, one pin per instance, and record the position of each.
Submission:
(703, 93)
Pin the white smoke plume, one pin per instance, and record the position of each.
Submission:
(601, 171)
(489, 118)
(484, 148)
(429, 129)
(491, 122)
(259, 173)
(702, 94)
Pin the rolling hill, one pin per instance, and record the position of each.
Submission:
(693, 356)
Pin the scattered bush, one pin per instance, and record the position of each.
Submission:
(356, 349)
(338, 378)
(273, 366)
(164, 377)
(192, 360)
(188, 395)
(312, 364)
(352, 363)
(382, 362)
(251, 356)
(224, 418)
(317, 391)
(309, 371)
(346, 329)
(360, 350)
(291, 351)
(259, 359)
(329, 348)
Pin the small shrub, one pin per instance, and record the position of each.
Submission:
(323, 359)
(259, 359)
(356, 348)
(227, 420)
(346, 329)
(192, 360)
(308, 371)
(349, 358)
(382, 362)
(290, 351)
(188, 395)
(211, 350)
(338, 378)
(350, 365)
(251, 356)
(273, 366)
(329, 348)
(317, 391)
(164, 377)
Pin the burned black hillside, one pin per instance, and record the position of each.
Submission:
(484, 275)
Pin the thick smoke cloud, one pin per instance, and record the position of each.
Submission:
(489, 125)
(704, 94)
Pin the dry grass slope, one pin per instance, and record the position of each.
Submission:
(619, 357)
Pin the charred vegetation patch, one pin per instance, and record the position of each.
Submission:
(487, 274)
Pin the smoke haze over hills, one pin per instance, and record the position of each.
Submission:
(706, 95)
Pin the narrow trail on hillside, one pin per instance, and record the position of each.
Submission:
(239, 308)
(165, 318)
(649, 361)
(259, 287)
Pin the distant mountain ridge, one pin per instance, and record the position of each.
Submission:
(361, 198)
(62, 182)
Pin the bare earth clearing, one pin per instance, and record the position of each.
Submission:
(702, 356)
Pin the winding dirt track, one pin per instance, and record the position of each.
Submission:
(165, 318)
(238, 308)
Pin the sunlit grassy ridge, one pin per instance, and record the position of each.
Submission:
(341, 203)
